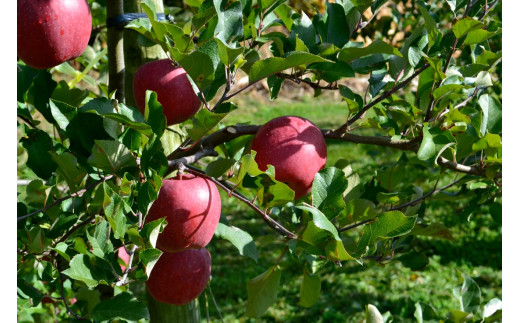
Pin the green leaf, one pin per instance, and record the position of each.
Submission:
(62, 113)
(431, 25)
(349, 54)
(238, 238)
(39, 93)
(322, 234)
(437, 230)
(434, 140)
(310, 289)
(273, 65)
(372, 314)
(198, 65)
(148, 192)
(115, 208)
(491, 114)
(465, 25)
(80, 269)
(153, 113)
(362, 5)
(327, 191)
(38, 144)
(206, 120)
(149, 258)
(71, 96)
(492, 307)
(226, 53)
(99, 241)
(480, 35)
(270, 191)
(68, 169)
(229, 24)
(414, 260)
(337, 25)
(123, 306)
(111, 156)
(27, 291)
(262, 291)
(468, 295)
(61, 249)
(387, 225)
(424, 312)
(151, 230)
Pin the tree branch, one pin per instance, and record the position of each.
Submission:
(270, 221)
(298, 80)
(380, 98)
(58, 201)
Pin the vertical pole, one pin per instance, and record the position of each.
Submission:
(116, 61)
(161, 312)
(136, 55)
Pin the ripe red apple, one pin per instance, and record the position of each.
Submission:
(51, 32)
(295, 147)
(180, 277)
(173, 89)
(191, 205)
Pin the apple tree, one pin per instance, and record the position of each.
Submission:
(104, 136)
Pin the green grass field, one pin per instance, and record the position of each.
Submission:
(475, 251)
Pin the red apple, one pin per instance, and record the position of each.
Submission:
(191, 205)
(295, 147)
(51, 32)
(180, 277)
(123, 255)
(173, 89)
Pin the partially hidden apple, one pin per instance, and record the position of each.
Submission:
(174, 90)
(191, 205)
(124, 256)
(295, 147)
(180, 277)
(50, 32)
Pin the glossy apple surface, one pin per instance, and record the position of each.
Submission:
(191, 205)
(180, 277)
(295, 147)
(173, 89)
(50, 32)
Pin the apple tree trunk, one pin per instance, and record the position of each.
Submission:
(136, 54)
(161, 312)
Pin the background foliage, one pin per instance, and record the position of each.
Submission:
(408, 95)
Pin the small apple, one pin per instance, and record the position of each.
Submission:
(191, 205)
(295, 147)
(124, 256)
(173, 89)
(50, 32)
(180, 277)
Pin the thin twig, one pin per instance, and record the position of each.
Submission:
(122, 281)
(215, 303)
(58, 201)
(425, 196)
(380, 98)
(63, 298)
(270, 221)
(313, 85)
(74, 228)
(355, 225)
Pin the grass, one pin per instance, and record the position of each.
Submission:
(475, 251)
